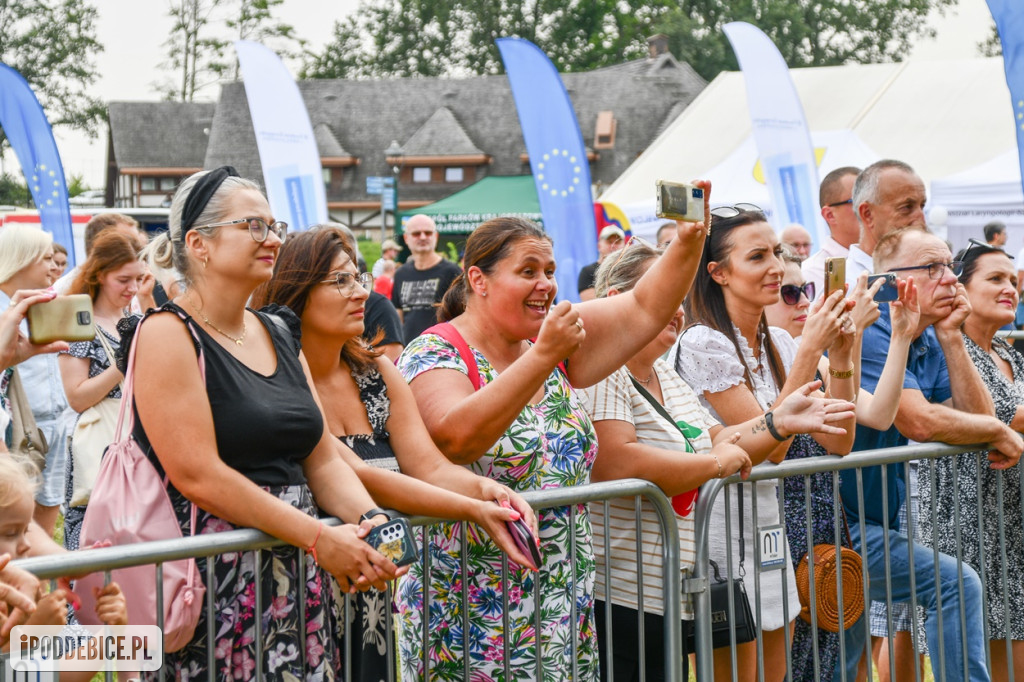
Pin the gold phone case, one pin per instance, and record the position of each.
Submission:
(65, 318)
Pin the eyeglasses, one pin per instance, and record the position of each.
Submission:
(840, 203)
(733, 211)
(791, 292)
(347, 282)
(935, 270)
(259, 229)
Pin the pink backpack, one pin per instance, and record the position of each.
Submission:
(129, 505)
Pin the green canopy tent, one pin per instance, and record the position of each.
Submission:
(460, 213)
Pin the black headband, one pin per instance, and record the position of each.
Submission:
(201, 194)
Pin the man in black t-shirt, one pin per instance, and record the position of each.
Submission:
(423, 280)
(610, 240)
(381, 316)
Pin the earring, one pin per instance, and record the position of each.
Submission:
(205, 261)
(484, 294)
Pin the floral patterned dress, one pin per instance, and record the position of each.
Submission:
(966, 480)
(551, 444)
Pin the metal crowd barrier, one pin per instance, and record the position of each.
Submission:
(771, 474)
(107, 559)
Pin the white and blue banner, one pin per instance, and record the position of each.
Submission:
(558, 159)
(780, 129)
(284, 136)
(28, 130)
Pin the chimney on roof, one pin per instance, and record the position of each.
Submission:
(657, 45)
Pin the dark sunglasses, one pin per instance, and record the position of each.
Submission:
(840, 203)
(791, 293)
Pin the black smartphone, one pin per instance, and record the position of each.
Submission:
(888, 291)
(395, 540)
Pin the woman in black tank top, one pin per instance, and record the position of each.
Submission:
(369, 406)
(248, 446)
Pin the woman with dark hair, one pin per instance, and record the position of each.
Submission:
(650, 425)
(317, 278)
(740, 368)
(989, 501)
(522, 423)
(111, 277)
(247, 445)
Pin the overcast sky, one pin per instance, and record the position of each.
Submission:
(134, 31)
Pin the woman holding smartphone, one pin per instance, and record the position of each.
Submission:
(370, 408)
(740, 368)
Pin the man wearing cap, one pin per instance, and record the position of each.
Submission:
(610, 240)
(388, 252)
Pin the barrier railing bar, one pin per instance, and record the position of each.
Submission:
(573, 611)
(982, 562)
(638, 516)
(812, 596)
(1005, 578)
(211, 663)
(505, 631)
(258, 570)
(960, 575)
(915, 633)
(866, 618)
(303, 579)
(837, 509)
(890, 626)
(938, 592)
(464, 554)
(608, 629)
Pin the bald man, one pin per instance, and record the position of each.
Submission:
(422, 281)
(798, 239)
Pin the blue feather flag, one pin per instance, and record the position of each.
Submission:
(558, 158)
(31, 138)
(1009, 16)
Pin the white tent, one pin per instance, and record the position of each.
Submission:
(941, 117)
(990, 191)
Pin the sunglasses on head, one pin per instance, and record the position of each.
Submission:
(791, 293)
(733, 211)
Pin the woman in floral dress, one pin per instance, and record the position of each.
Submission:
(990, 278)
(522, 424)
(370, 408)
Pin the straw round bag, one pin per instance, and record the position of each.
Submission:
(826, 593)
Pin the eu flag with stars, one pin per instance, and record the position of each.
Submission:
(558, 159)
(1009, 16)
(28, 131)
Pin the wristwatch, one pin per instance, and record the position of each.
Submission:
(376, 511)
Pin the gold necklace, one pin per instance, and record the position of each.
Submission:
(646, 381)
(238, 340)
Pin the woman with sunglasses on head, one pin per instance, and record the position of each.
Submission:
(650, 425)
(521, 422)
(317, 278)
(985, 513)
(247, 444)
(878, 411)
(741, 368)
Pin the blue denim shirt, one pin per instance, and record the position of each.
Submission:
(40, 376)
(926, 372)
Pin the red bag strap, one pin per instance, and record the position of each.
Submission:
(449, 333)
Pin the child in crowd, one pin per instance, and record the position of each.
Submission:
(385, 282)
(16, 506)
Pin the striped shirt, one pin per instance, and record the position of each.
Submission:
(617, 398)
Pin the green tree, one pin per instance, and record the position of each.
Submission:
(13, 191)
(76, 184)
(254, 20)
(193, 51)
(52, 44)
(455, 37)
(991, 46)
